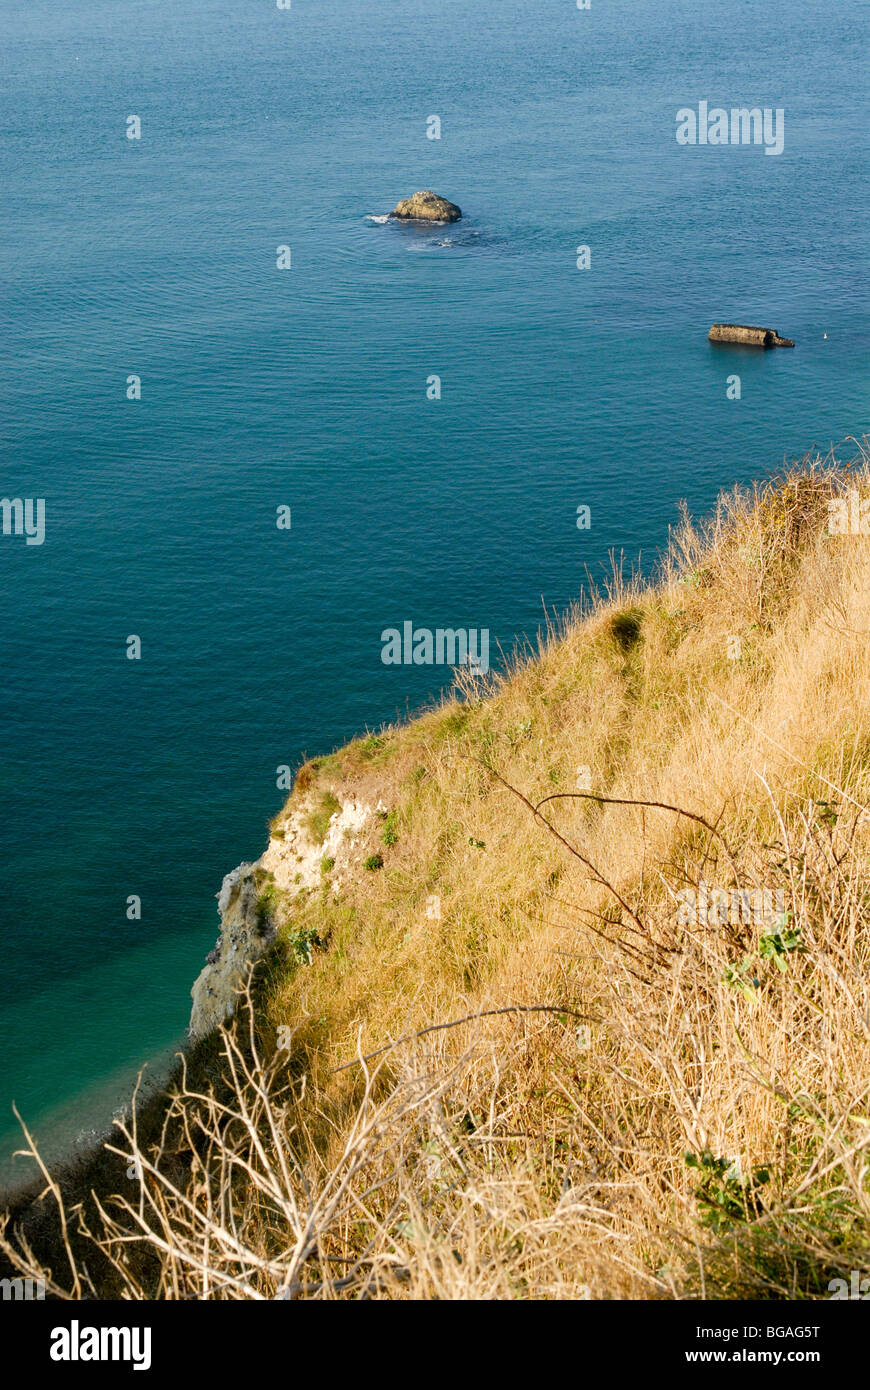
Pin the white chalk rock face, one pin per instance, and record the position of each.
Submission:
(294, 856)
(245, 934)
(293, 863)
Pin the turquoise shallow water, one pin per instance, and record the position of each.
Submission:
(308, 388)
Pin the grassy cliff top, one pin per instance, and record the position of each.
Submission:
(587, 1014)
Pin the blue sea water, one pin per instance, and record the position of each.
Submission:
(307, 388)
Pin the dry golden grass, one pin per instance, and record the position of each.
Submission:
(629, 1104)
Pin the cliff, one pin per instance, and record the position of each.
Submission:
(561, 988)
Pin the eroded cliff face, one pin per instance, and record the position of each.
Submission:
(292, 864)
(294, 854)
(245, 934)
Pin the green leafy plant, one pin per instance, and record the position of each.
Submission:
(738, 977)
(773, 945)
(302, 944)
(374, 861)
(724, 1194)
(778, 945)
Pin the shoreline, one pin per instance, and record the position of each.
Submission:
(66, 1140)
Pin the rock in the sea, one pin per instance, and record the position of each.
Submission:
(426, 207)
(746, 333)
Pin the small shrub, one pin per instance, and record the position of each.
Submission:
(519, 732)
(372, 745)
(625, 628)
(374, 861)
(304, 777)
(266, 903)
(318, 820)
